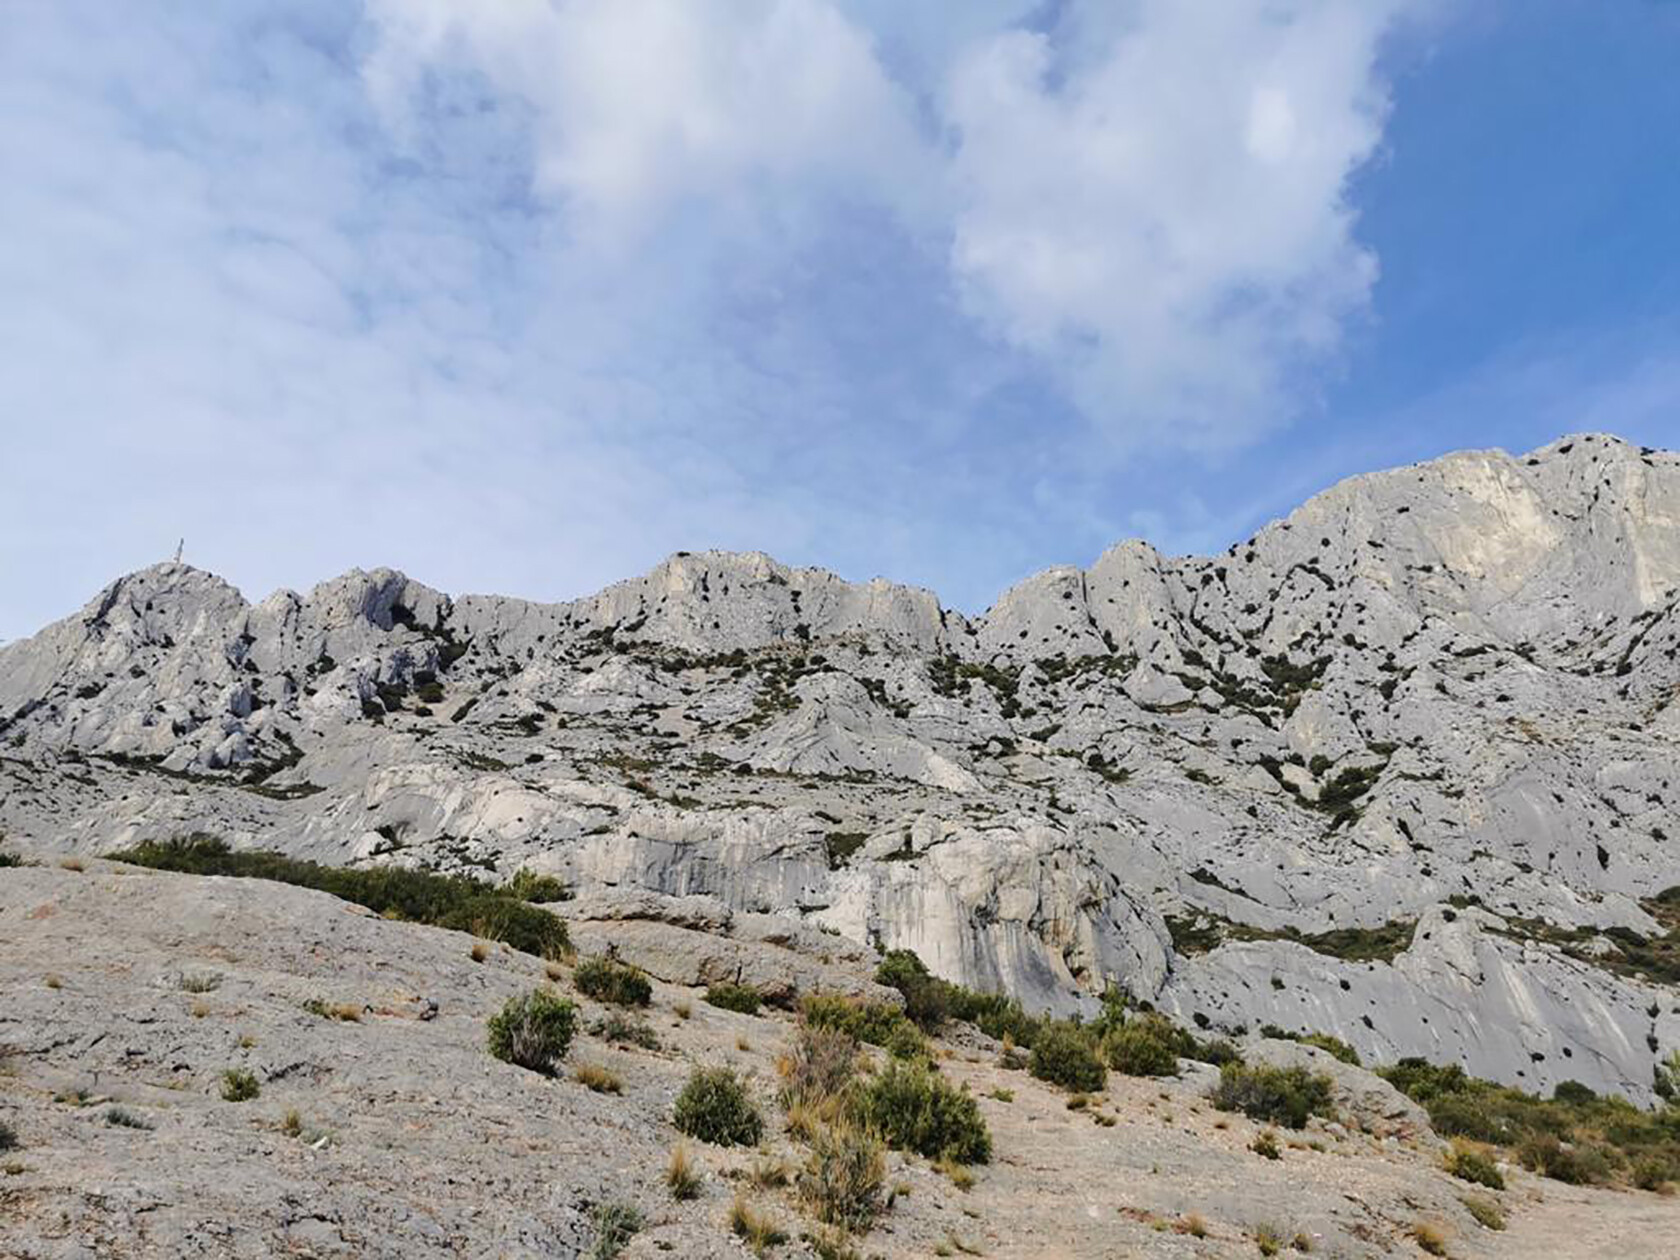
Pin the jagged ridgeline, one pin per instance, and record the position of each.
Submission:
(1402, 769)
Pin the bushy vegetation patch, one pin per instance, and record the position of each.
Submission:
(533, 1031)
(875, 1023)
(1273, 1095)
(1333, 1046)
(1577, 1136)
(607, 980)
(1470, 1162)
(615, 1225)
(1066, 1054)
(843, 1176)
(913, 1108)
(1148, 1045)
(238, 1085)
(447, 901)
(527, 885)
(714, 1107)
(930, 1001)
(742, 998)
(822, 1065)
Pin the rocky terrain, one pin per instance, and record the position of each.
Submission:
(1403, 768)
(381, 1127)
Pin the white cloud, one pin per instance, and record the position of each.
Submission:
(1147, 199)
(1159, 210)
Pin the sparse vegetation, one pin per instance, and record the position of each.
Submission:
(1485, 1211)
(1148, 1045)
(123, 1118)
(8, 1137)
(913, 1108)
(602, 1081)
(615, 1225)
(1576, 1136)
(1265, 1144)
(873, 1022)
(607, 980)
(464, 905)
(714, 1107)
(682, 1175)
(1065, 1054)
(758, 1230)
(239, 1085)
(821, 1066)
(621, 1030)
(533, 1031)
(344, 1012)
(1430, 1237)
(742, 998)
(1469, 1162)
(1285, 1096)
(843, 1176)
(527, 885)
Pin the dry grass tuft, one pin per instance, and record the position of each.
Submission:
(599, 1079)
(682, 1174)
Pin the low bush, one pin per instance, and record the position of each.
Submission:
(1575, 1165)
(757, 1229)
(1469, 1162)
(1575, 1136)
(8, 1137)
(822, 1065)
(930, 1001)
(624, 1031)
(1273, 1095)
(446, 901)
(875, 1023)
(913, 1108)
(122, 1118)
(533, 1031)
(527, 885)
(599, 1079)
(607, 980)
(1266, 1144)
(1485, 1211)
(238, 1085)
(1145, 1046)
(615, 1225)
(843, 1177)
(742, 998)
(714, 1107)
(1064, 1054)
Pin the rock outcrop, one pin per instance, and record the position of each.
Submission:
(1403, 767)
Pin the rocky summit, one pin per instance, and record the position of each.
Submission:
(1402, 768)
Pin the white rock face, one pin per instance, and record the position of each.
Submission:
(1404, 767)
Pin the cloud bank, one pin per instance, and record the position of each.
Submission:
(522, 296)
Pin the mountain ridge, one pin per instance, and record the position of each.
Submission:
(1399, 767)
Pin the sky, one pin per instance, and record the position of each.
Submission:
(521, 296)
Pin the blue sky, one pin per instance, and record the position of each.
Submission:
(523, 296)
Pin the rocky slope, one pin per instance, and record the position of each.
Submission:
(388, 1131)
(1404, 767)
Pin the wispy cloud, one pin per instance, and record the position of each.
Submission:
(523, 295)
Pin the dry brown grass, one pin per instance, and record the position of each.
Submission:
(598, 1078)
(682, 1174)
(480, 951)
(757, 1229)
(1431, 1237)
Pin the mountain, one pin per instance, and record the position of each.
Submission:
(1403, 768)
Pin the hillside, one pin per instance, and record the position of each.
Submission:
(1400, 769)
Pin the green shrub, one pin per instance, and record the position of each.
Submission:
(238, 1085)
(1467, 1163)
(930, 1001)
(842, 1179)
(1574, 1165)
(10, 859)
(122, 1118)
(533, 1031)
(1273, 1095)
(926, 1000)
(1147, 1046)
(8, 1137)
(714, 1107)
(1064, 1055)
(623, 1031)
(1265, 1144)
(527, 885)
(742, 998)
(615, 1225)
(913, 1108)
(607, 980)
(1334, 1046)
(447, 901)
(875, 1023)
